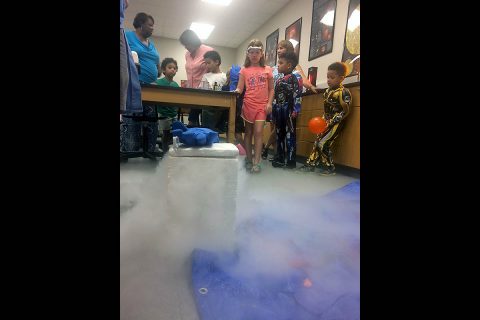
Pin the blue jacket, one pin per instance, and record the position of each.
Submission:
(134, 93)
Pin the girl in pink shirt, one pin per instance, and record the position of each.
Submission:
(257, 79)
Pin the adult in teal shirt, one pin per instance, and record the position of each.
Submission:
(139, 42)
(149, 60)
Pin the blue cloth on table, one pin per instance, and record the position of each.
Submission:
(194, 136)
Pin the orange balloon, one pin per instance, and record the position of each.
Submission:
(317, 125)
(307, 283)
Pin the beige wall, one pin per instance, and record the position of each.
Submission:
(286, 16)
(292, 12)
(173, 49)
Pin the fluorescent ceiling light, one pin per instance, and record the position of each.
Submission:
(202, 30)
(220, 2)
(354, 20)
(328, 18)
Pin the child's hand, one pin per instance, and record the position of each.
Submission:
(268, 108)
(294, 114)
(336, 119)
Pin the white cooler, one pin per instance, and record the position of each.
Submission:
(202, 191)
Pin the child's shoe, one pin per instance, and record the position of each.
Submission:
(277, 163)
(256, 168)
(327, 171)
(264, 154)
(291, 165)
(248, 164)
(306, 168)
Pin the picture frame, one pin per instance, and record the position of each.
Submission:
(271, 48)
(312, 75)
(293, 34)
(323, 28)
(351, 44)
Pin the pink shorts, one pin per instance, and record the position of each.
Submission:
(251, 115)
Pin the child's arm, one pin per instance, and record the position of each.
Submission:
(268, 107)
(297, 92)
(241, 84)
(306, 83)
(344, 99)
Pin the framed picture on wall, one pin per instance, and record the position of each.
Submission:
(323, 27)
(312, 75)
(293, 33)
(271, 49)
(351, 47)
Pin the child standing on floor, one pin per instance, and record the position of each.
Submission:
(169, 69)
(286, 107)
(283, 47)
(215, 79)
(257, 79)
(337, 101)
(214, 74)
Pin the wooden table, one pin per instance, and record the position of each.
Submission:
(197, 98)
